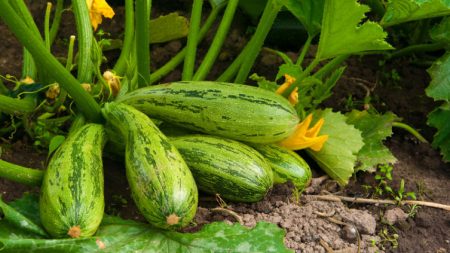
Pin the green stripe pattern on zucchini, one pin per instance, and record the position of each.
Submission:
(71, 200)
(161, 184)
(239, 112)
(229, 168)
(286, 165)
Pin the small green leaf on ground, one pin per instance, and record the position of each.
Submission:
(339, 153)
(440, 119)
(400, 11)
(118, 235)
(309, 12)
(439, 88)
(374, 129)
(342, 31)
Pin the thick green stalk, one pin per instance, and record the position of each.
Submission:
(11, 105)
(304, 50)
(85, 37)
(83, 100)
(20, 174)
(28, 66)
(177, 59)
(47, 26)
(192, 40)
(231, 71)
(330, 66)
(411, 130)
(419, 48)
(142, 41)
(56, 20)
(128, 41)
(218, 41)
(265, 23)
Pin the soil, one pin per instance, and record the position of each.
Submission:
(311, 225)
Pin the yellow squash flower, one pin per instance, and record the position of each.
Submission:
(305, 137)
(289, 80)
(97, 9)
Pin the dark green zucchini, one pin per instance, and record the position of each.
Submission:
(239, 112)
(286, 165)
(71, 201)
(229, 168)
(161, 184)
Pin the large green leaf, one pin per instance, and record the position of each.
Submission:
(439, 88)
(440, 119)
(117, 235)
(441, 31)
(342, 31)
(339, 153)
(309, 12)
(374, 129)
(399, 11)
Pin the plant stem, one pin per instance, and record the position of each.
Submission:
(11, 105)
(192, 40)
(304, 50)
(417, 49)
(85, 37)
(231, 71)
(378, 201)
(121, 65)
(56, 20)
(84, 101)
(217, 42)
(142, 41)
(265, 23)
(20, 174)
(47, 26)
(410, 130)
(177, 59)
(29, 66)
(330, 66)
(3, 89)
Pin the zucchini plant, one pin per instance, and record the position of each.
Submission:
(163, 173)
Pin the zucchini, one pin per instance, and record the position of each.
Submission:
(71, 200)
(286, 165)
(161, 184)
(229, 168)
(235, 111)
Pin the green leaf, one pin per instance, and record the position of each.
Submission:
(19, 221)
(338, 155)
(441, 31)
(439, 88)
(374, 129)
(399, 11)
(309, 12)
(440, 119)
(264, 83)
(117, 235)
(168, 27)
(55, 142)
(342, 31)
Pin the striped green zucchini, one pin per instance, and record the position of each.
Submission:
(229, 168)
(161, 184)
(286, 165)
(239, 112)
(71, 201)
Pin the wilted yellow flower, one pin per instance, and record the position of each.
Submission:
(53, 91)
(27, 80)
(113, 82)
(87, 87)
(289, 80)
(97, 9)
(306, 138)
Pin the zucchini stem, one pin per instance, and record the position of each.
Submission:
(191, 47)
(19, 174)
(85, 38)
(121, 65)
(143, 41)
(410, 130)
